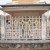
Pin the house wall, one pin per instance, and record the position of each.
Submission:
(25, 1)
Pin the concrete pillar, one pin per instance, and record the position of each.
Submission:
(2, 28)
(44, 23)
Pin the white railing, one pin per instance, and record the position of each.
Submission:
(23, 27)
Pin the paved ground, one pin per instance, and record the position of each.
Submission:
(25, 47)
(22, 49)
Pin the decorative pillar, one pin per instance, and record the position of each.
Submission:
(44, 23)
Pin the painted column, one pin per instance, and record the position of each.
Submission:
(44, 22)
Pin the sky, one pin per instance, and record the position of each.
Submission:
(47, 1)
(6, 1)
